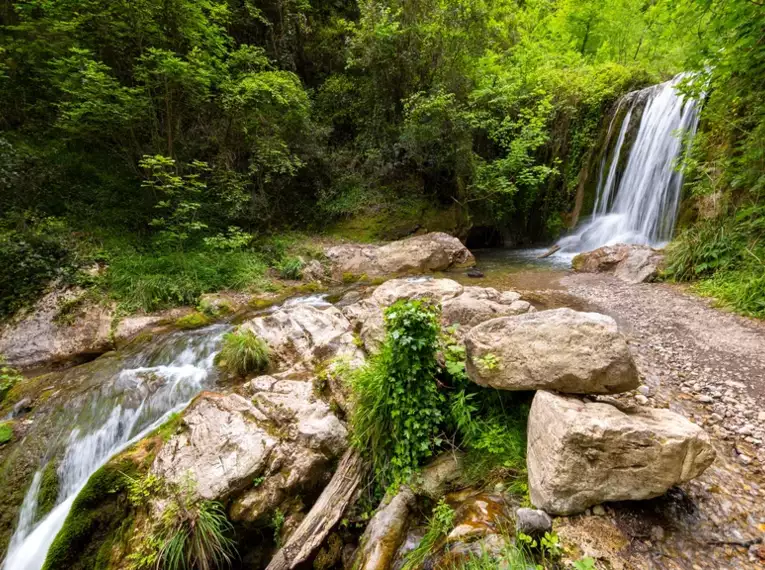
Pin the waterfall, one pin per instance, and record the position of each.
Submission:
(640, 205)
(154, 384)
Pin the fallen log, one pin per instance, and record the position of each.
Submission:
(549, 252)
(324, 515)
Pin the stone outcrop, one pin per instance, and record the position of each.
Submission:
(560, 349)
(62, 326)
(420, 254)
(385, 532)
(464, 306)
(302, 336)
(284, 438)
(630, 263)
(582, 453)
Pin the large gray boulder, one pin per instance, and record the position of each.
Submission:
(583, 454)
(302, 336)
(254, 454)
(463, 306)
(63, 325)
(630, 263)
(420, 254)
(560, 349)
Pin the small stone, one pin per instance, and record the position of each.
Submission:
(657, 534)
(642, 400)
(475, 273)
(744, 459)
(745, 430)
(715, 418)
(645, 390)
(598, 511)
(21, 407)
(704, 399)
(532, 521)
(761, 417)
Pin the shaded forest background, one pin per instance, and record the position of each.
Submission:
(174, 142)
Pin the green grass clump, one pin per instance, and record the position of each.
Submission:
(150, 282)
(291, 268)
(440, 523)
(243, 352)
(6, 432)
(193, 320)
(9, 377)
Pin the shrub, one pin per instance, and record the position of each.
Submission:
(291, 268)
(243, 352)
(398, 407)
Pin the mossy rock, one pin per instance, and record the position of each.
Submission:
(6, 432)
(193, 320)
(578, 262)
(49, 490)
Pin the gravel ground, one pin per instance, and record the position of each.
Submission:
(708, 365)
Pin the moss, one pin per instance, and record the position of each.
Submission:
(193, 320)
(97, 519)
(6, 432)
(329, 554)
(49, 489)
(578, 262)
(171, 427)
(217, 308)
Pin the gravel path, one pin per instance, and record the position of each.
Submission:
(708, 365)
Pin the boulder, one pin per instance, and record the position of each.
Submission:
(560, 349)
(465, 306)
(630, 263)
(63, 325)
(302, 336)
(420, 254)
(581, 454)
(532, 522)
(313, 271)
(385, 532)
(256, 454)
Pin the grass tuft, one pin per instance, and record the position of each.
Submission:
(243, 352)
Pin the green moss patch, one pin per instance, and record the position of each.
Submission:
(49, 489)
(6, 432)
(193, 320)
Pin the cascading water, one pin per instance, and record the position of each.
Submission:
(640, 206)
(152, 385)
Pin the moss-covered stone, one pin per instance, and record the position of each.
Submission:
(6, 432)
(49, 489)
(193, 320)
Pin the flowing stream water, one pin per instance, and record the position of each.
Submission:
(152, 384)
(639, 205)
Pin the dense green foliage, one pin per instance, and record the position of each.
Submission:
(156, 139)
(9, 377)
(397, 412)
(726, 173)
(243, 352)
(407, 405)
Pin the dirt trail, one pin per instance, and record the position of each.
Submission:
(708, 365)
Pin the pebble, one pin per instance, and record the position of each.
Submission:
(598, 510)
(640, 399)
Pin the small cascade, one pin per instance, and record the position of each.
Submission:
(639, 205)
(153, 384)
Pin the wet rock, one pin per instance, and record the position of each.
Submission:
(583, 454)
(630, 263)
(475, 273)
(63, 325)
(560, 349)
(532, 521)
(385, 532)
(302, 336)
(420, 254)
(21, 407)
(255, 454)
(437, 476)
(477, 304)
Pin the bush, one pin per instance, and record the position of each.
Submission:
(9, 377)
(291, 268)
(243, 352)
(398, 408)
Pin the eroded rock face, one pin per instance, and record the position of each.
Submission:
(257, 453)
(465, 306)
(560, 349)
(60, 327)
(420, 254)
(630, 263)
(583, 454)
(301, 337)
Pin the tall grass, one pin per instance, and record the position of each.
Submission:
(150, 282)
(243, 352)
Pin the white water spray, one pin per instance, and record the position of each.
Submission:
(641, 206)
(161, 380)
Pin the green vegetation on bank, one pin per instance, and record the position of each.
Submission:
(149, 151)
(243, 352)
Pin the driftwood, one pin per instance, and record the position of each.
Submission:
(324, 515)
(549, 252)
